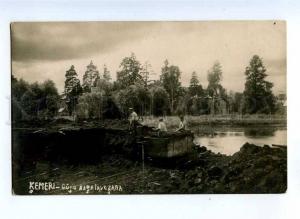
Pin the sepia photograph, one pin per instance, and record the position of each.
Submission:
(148, 107)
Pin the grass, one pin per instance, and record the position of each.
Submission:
(172, 122)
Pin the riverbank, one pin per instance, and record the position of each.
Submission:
(172, 122)
(253, 169)
(92, 154)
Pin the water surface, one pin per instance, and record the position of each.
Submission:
(229, 140)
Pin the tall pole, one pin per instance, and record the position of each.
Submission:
(152, 107)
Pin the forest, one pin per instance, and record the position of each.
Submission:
(97, 96)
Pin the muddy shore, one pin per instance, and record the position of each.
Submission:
(253, 169)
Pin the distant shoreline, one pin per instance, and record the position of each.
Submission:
(228, 120)
(172, 122)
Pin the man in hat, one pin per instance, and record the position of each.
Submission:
(133, 119)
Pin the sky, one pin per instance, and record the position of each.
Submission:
(46, 50)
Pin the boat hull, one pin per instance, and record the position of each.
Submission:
(169, 146)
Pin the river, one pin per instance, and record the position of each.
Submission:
(227, 140)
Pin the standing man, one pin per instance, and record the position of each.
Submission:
(133, 122)
(133, 119)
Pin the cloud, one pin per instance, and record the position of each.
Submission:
(275, 67)
(52, 41)
(46, 50)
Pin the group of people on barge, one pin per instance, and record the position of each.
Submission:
(161, 127)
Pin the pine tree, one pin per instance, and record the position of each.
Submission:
(194, 100)
(90, 77)
(72, 89)
(258, 93)
(195, 88)
(194, 82)
(106, 74)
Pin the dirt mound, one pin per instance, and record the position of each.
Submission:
(253, 169)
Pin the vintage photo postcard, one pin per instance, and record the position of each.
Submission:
(148, 107)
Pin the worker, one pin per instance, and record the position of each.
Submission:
(133, 119)
(182, 124)
(162, 126)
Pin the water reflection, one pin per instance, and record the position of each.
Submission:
(259, 132)
(229, 140)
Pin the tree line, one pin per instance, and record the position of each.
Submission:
(36, 100)
(99, 97)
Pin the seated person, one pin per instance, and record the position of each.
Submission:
(182, 124)
(162, 126)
